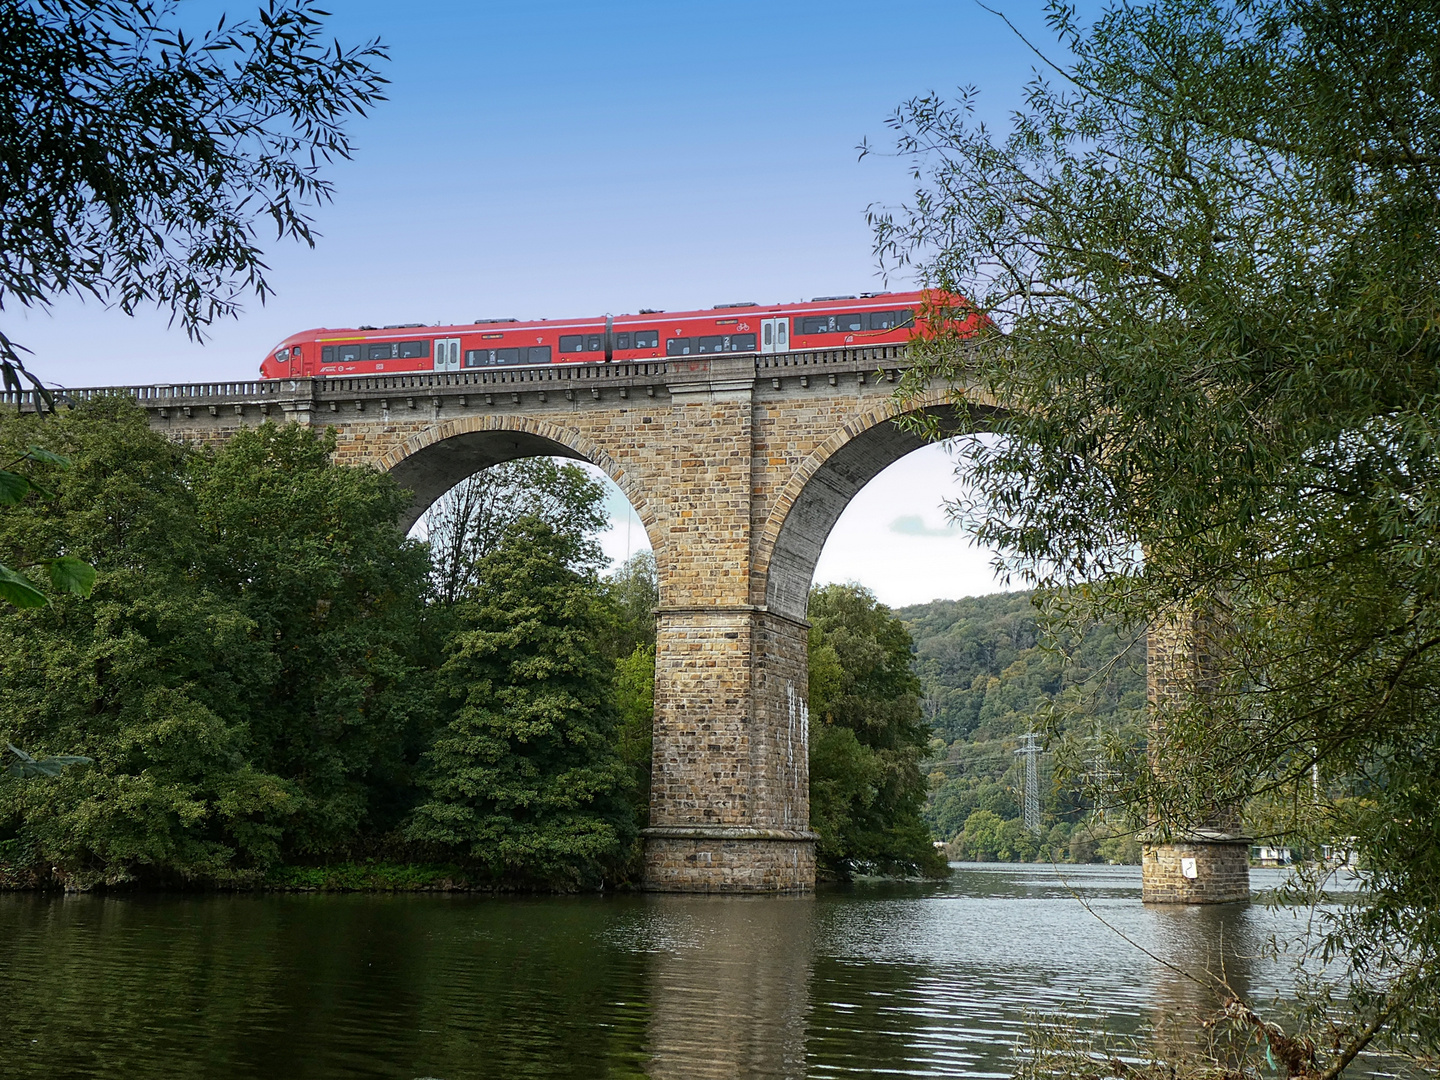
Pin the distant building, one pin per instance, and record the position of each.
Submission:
(1266, 855)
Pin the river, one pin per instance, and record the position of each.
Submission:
(932, 979)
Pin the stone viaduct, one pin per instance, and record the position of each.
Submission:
(738, 466)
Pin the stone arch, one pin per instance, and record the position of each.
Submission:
(822, 486)
(433, 460)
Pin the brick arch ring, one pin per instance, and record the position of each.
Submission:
(538, 438)
(819, 490)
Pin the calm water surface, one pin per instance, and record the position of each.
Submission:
(928, 980)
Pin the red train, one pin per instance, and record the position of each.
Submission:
(827, 322)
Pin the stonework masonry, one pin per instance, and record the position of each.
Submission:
(738, 466)
(1210, 862)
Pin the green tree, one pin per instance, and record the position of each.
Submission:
(866, 737)
(1207, 254)
(67, 573)
(635, 731)
(980, 837)
(470, 520)
(152, 678)
(634, 593)
(631, 593)
(526, 779)
(313, 557)
(248, 672)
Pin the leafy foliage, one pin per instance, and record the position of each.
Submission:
(135, 161)
(67, 573)
(468, 521)
(526, 779)
(866, 737)
(138, 157)
(635, 732)
(27, 766)
(634, 593)
(235, 713)
(317, 567)
(1209, 256)
(989, 674)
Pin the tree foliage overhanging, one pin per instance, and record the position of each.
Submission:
(138, 155)
(1209, 245)
(264, 676)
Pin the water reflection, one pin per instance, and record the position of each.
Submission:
(729, 998)
(930, 979)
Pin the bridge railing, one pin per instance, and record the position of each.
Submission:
(881, 355)
(155, 394)
(258, 390)
(483, 377)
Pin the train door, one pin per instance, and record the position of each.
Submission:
(447, 354)
(774, 335)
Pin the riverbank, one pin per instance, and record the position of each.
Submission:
(360, 876)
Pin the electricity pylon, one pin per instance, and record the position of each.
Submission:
(1031, 752)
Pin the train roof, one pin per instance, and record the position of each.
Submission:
(403, 330)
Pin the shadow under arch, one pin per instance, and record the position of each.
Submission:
(823, 485)
(434, 460)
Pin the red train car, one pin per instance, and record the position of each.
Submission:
(827, 322)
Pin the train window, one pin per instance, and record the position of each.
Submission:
(622, 341)
(487, 357)
(282, 355)
(726, 343)
(410, 350)
(327, 354)
(379, 352)
(647, 339)
(888, 320)
(572, 342)
(819, 324)
(593, 343)
(848, 322)
(539, 354)
(347, 354)
(678, 346)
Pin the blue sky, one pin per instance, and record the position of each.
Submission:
(561, 159)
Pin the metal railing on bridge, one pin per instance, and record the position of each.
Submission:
(258, 391)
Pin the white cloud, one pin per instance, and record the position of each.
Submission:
(895, 539)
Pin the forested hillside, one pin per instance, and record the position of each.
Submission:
(986, 679)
